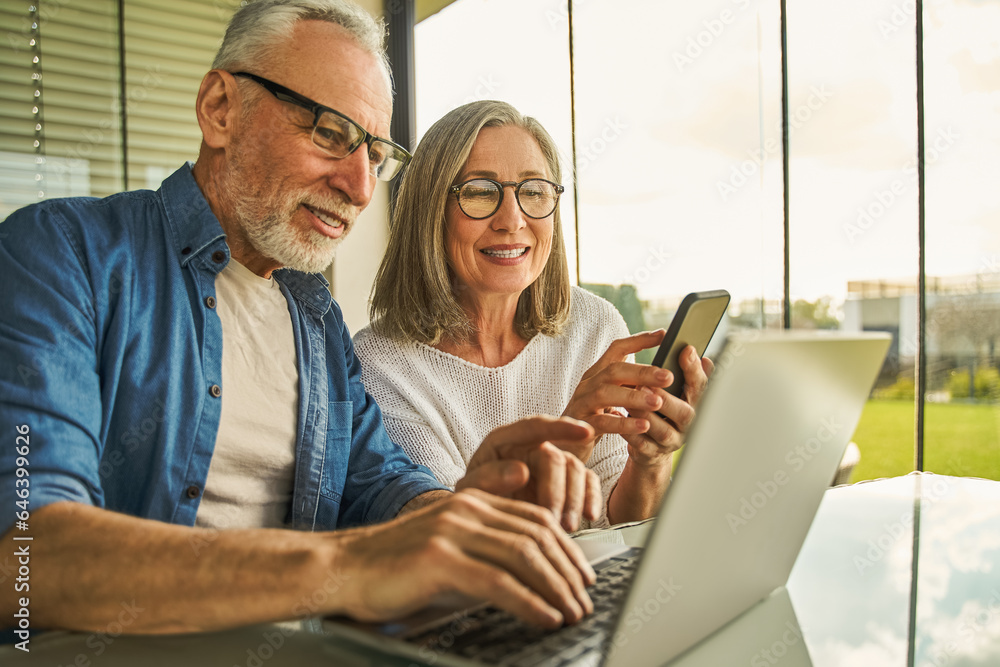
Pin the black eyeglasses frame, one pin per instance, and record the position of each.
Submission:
(288, 95)
(501, 186)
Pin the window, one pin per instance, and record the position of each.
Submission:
(78, 120)
(679, 177)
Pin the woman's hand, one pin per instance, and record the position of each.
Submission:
(665, 435)
(650, 453)
(613, 384)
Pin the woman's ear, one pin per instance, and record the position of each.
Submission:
(217, 105)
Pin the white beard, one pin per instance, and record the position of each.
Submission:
(273, 236)
(266, 220)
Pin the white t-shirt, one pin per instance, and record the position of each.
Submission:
(439, 407)
(251, 476)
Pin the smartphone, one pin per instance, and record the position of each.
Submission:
(694, 323)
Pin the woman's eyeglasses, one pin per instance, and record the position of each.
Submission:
(481, 197)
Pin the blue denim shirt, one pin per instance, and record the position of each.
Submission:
(111, 355)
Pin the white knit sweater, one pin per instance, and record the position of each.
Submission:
(439, 407)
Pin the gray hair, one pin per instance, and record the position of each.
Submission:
(261, 25)
(413, 297)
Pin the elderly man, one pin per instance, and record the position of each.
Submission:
(182, 387)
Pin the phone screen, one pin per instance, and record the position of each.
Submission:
(695, 323)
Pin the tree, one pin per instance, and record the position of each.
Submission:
(972, 319)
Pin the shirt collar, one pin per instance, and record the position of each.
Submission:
(195, 229)
(193, 225)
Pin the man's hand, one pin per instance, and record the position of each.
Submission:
(538, 460)
(511, 553)
(613, 383)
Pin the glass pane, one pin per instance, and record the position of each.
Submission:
(74, 115)
(853, 199)
(679, 156)
(859, 548)
(962, 76)
(168, 49)
(958, 591)
(515, 51)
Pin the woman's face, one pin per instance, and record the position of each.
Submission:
(503, 254)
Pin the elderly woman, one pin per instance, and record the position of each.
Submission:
(475, 324)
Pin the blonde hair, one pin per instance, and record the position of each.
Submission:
(413, 296)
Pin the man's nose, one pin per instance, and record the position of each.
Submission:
(352, 176)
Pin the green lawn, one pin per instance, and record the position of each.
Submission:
(960, 439)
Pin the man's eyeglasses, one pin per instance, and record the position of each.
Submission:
(481, 197)
(340, 136)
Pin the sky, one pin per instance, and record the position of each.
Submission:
(678, 133)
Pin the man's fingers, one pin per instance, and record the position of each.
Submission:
(548, 467)
(576, 493)
(533, 431)
(499, 477)
(484, 580)
(595, 498)
(535, 514)
(529, 543)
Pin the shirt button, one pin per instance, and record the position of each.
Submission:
(218, 257)
(215, 390)
(193, 491)
(186, 250)
(210, 302)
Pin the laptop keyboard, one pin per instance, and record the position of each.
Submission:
(495, 637)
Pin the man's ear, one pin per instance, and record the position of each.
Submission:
(217, 107)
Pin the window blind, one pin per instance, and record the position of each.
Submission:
(77, 52)
(168, 47)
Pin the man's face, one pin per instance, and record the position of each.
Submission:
(293, 201)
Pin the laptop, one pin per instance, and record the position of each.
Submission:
(771, 430)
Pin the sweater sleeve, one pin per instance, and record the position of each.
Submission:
(384, 366)
(599, 320)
